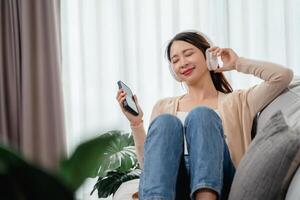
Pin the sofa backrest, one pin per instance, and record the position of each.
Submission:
(288, 102)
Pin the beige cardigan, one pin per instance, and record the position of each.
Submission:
(237, 109)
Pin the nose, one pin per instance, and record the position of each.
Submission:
(183, 62)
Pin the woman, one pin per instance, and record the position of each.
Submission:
(196, 140)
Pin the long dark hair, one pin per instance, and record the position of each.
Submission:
(219, 80)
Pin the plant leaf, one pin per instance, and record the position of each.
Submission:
(21, 180)
(99, 156)
(120, 155)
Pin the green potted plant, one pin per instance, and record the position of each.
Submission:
(119, 165)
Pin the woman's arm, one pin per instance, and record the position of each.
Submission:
(139, 134)
(136, 123)
(276, 78)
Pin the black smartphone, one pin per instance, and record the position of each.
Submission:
(129, 103)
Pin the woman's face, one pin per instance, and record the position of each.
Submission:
(188, 61)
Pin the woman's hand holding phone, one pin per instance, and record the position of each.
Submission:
(134, 120)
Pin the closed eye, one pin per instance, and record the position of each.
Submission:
(188, 52)
(175, 61)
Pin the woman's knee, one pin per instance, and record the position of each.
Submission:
(167, 120)
(202, 112)
(204, 120)
(166, 124)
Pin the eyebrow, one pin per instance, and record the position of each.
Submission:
(182, 51)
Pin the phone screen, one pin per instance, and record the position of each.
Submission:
(129, 97)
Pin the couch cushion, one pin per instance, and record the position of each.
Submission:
(262, 173)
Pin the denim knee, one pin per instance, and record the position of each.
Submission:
(202, 112)
(166, 120)
(167, 125)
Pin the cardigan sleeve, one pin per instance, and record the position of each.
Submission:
(276, 79)
(139, 133)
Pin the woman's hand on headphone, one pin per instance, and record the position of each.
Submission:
(228, 57)
(134, 120)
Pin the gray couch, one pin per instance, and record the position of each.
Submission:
(289, 103)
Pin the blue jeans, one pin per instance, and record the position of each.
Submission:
(168, 174)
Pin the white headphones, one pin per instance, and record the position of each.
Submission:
(211, 60)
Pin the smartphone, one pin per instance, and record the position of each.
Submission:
(129, 103)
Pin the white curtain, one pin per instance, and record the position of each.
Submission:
(109, 40)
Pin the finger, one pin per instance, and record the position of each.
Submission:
(214, 52)
(119, 92)
(121, 96)
(212, 48)
(223, 51)
(122, 100)
(218, 51)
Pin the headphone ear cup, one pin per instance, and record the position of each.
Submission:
(211, 60)
(173, 73)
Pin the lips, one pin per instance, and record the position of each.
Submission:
(188, 71)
